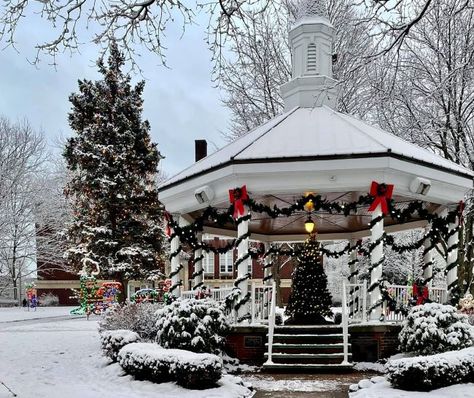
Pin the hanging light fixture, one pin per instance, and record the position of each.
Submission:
(309, 225)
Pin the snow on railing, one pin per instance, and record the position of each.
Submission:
(216, 294)
(260, 303)
(345, 328)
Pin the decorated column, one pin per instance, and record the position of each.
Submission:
(238, 197)
(452, 260)
(198, 274)
(428, 256)
(175, 250)
(382, 193)
(353, 300)
(268, 265)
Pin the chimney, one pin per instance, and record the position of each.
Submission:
(200, 149)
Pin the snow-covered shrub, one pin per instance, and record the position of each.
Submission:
(433, 328)
(138, 317)
(149, 361)
(48, 300)
(198, 371)
(194, 325)
(433, 371)
(466, 306)
(112, 341)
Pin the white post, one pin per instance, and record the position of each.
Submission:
(271, 324)
(428, 256)
(376, 261)
(452, 258)
(252, 302)
(198, 274)
(175, 250)
(345, 329)
(243, 262)
(353, 300)
(364, 301)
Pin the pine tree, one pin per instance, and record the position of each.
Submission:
(310, 300)
(117, 225)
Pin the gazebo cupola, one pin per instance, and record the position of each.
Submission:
(311, 39)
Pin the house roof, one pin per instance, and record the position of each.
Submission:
(312, 133)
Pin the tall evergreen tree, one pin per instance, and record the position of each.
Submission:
(113, 166)
(310, 300)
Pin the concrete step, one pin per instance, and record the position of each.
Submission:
(329, 338)
(309, 329)
(307, 368)
(291, 348)
(305, 358)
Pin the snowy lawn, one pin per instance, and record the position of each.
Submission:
(57, 359)
(10, 314)
(386, 391)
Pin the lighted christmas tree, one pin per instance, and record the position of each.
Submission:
(117, 224)
(310, 300)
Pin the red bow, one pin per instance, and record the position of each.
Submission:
(168, 222)
(237, 197)
(382, 193)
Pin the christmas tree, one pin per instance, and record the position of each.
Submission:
(310, 300)
(117, 219)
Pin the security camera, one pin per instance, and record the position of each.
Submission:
(420, 186)
(204, 194)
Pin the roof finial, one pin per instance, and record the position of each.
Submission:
(312, 8)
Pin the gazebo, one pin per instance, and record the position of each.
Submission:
(362, 182)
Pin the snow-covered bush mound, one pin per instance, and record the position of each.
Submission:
(149, 361)
(194, 325)
(433, 328)
(112, 341)
(48, 300)
(433, 371)
(138, 317)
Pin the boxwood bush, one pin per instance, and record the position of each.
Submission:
(112, 341)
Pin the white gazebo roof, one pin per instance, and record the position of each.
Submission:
(312, 134)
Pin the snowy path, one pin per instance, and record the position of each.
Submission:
(13, 314)
(56, 359)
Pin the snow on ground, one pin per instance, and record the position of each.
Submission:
(11, 314)
(62, 358)
(367, 366)
(386, 391)
(268, 383)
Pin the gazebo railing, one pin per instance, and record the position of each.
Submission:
(356, 299)
(216, 294)
(261, 296)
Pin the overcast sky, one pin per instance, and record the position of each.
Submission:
(181, 103)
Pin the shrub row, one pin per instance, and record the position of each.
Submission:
(149, 361)
(433, 371)
(112, 341)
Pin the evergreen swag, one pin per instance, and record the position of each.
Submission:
(310, 300)
(117, 219)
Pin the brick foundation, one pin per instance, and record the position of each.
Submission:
(372, 342)
(247, 343)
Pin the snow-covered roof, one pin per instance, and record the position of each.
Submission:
(312, 133)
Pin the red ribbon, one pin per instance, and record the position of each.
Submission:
(237, 197)
(382, 194)
(168, 221)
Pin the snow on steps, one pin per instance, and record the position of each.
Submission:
(308, 349)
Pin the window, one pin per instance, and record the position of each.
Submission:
(208, 263)
(311, 58)
(226, 262)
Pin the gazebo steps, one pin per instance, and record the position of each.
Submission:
(307, 368)
(306, 338)
(309, 329)
(290, 348)
(305, 358)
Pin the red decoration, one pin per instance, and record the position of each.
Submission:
(461, 207)
(237, 197)
(168, 220)
(382, 194)
(420, 293)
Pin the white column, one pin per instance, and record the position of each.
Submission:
(198, 274)
(452, 257)
(428, 256)
(243, 262)
(376, 261)
(267, 265)
(175, 250)
(353, 297)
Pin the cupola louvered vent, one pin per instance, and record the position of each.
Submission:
(311, 60)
